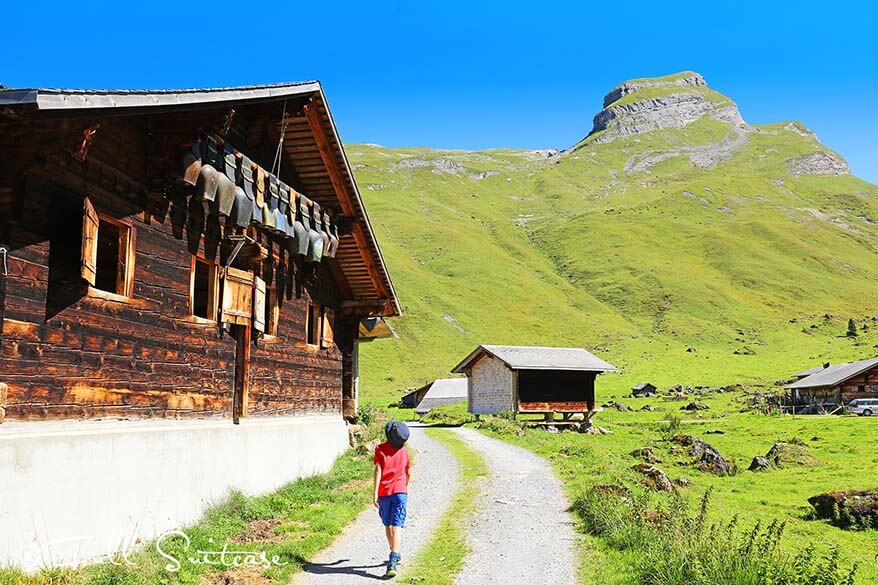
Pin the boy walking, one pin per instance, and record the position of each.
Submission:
(390, 493)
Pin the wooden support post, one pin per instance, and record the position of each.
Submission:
(242, 372)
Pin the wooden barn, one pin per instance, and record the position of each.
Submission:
(196, 255)
(836, 384)
(531, 380)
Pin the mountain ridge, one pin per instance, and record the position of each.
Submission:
(729, 239)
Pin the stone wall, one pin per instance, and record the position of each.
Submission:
(491, 387)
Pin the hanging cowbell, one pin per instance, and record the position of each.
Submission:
(303, 226)
(333, 235)
(192, 164)
(280, 215)
(208, 179)
(315, 247)
(300, 232)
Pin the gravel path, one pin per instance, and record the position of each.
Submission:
(359, 554)
(522, 532)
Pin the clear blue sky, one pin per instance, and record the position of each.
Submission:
(471, 74)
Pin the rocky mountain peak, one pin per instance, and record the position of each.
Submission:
(673, 101)
(677, 80)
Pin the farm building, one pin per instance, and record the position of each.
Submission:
(644, 389)
(441, 392)
(539, 380)
(413, 398)
(838, 384)
(188, 259)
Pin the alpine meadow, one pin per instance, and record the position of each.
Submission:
(677, 241)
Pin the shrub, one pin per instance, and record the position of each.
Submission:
(672, 427)
(679, 547)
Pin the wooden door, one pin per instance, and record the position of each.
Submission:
(240, 396)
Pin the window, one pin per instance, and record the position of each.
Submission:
(319, 326)
(326, 336)
(107, 252)
(312, 325)
(272, 311)
(203, 289)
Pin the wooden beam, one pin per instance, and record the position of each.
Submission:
(341, 192)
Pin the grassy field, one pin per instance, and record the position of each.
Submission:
(442, 557)
(843, 447)
(290, 524)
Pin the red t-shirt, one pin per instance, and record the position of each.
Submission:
(394, 463)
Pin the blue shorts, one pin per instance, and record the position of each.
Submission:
(392, 509)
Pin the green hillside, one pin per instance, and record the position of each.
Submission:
(675, 227)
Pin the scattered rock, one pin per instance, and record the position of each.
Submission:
(622, 407)
(655, 478)
(708, 458)
(783, 454)
(714, 432)
(439, 165)
(647, 454)
(819, 163)
(691, 350)
(356, 435)
(590, 429)
(682, 482)
(844, 508)
(759, 464)
(695, 406)
(648, 408)
(552, 429)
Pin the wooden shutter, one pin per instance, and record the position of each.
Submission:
(90, 224)
(259, 305)
(327, 336)
(237, 297)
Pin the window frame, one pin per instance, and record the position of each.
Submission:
(124, 263)
(272, 308)
(213, 288)
(313, 320)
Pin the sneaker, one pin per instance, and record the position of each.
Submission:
(391, 569)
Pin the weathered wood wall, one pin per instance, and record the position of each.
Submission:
(851, 388)
(66, 354)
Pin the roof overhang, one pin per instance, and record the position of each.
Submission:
(312, 142)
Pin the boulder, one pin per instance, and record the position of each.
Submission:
(648, 408)
(695, 406)
(784, 454)
(682, 482)
(622, 407)
(708, 458)
(844, 508)
(654, 478)
(759, 464)
(647, 454)
(357, 434)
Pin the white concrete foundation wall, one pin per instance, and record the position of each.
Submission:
(74, 492)
(490, 389)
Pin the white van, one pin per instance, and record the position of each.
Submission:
(864, 406)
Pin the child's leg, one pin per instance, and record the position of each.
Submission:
(388, 531)
(395, 538)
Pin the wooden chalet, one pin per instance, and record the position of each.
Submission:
(160, 254)
(531, 380)
(836, 384)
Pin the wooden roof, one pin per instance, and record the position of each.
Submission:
(538, 358)
(835, 375)
(315, 163)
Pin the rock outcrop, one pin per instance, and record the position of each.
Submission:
(707, 457)
(846, 508)
(819, 163)
(684, 100)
